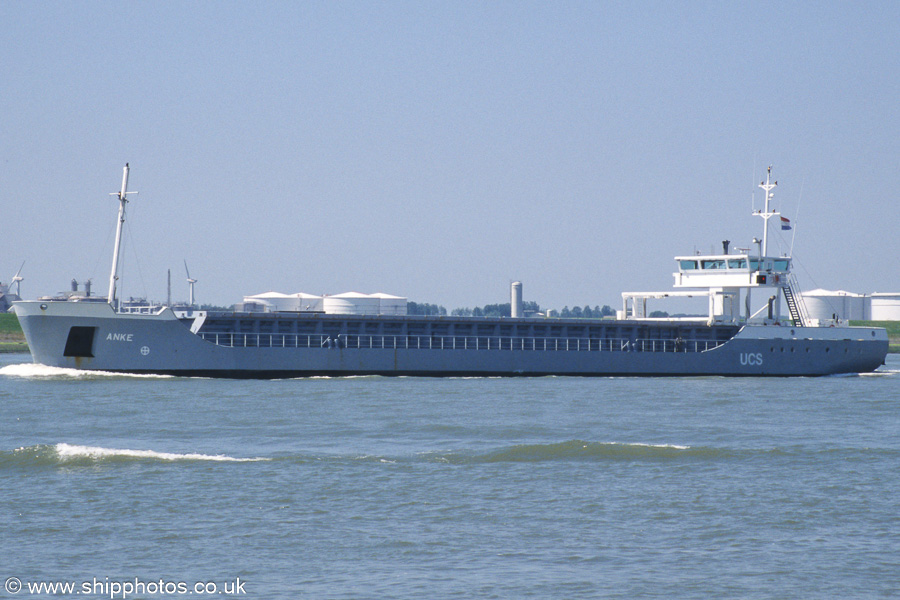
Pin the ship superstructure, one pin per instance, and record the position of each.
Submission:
(731, 280)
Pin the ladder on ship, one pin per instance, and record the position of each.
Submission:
(794, 302)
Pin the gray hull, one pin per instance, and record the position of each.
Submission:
(164, 344)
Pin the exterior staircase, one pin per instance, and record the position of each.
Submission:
(795, 303)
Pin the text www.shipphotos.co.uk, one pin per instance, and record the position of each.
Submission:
(124, 588)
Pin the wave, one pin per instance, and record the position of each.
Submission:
(339, 377)
(881, 373)
(72, 455)
(574, 450)
(34, 370)
(63, 454)
(578, 450)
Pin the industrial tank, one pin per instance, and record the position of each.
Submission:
(391, 305)
(886, 307)
(827, 304)
(274, 301)
(351, 303)
(308, 302)
(516, 300)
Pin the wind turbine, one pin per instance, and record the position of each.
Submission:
(17, 281)
(190, 281)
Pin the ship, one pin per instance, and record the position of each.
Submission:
(732, 339)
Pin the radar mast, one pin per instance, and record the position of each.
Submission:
(768, 185)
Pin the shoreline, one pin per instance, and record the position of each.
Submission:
(14, 348)
(12, 340)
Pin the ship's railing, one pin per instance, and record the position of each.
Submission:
(422, 342)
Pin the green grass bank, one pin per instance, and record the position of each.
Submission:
(11, 337)
(893, 329)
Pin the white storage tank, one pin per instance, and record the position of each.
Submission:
(391, 305)
(885, 306)
(252, 306)
(308, 302)
(278, 302)
(275, 301)
(827, 304)
(351, 303)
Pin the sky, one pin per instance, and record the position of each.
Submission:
(440, 150)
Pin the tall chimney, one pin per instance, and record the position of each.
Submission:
(516, 300)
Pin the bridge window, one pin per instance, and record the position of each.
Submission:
(688, 265)
(737, 263)
(713, 264)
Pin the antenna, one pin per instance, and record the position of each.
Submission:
(753, 194)
(796, 216)
(114, 273)
(190, 281)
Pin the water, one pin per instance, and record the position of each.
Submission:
(375, 487)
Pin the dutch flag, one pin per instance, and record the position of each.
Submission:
(785, 224)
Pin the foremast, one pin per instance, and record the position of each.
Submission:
(114, 273)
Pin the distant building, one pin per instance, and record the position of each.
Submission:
(6, 298)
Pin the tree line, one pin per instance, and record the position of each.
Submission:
(491, 310)
(586, 312)
(495, 310)
(505, 310)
